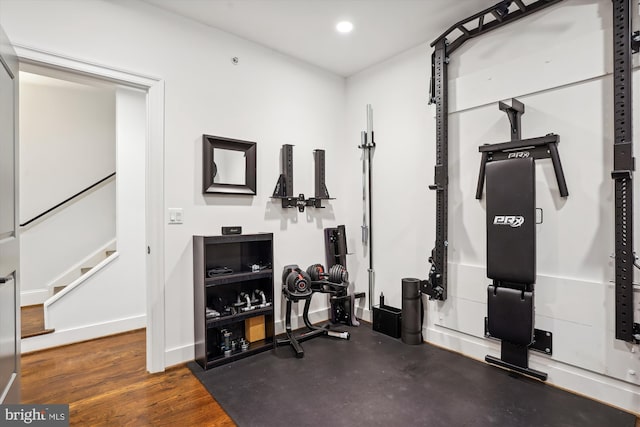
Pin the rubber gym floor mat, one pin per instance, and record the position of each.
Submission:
(375, 380)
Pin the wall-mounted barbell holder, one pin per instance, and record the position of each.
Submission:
(284, 186)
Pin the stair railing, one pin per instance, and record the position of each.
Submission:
(66, 201)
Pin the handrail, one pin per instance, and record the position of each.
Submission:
(68, 199)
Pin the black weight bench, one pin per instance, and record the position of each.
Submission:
(510, 174)
(511, 260)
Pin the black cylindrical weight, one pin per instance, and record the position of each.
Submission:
(286, 270)
(316, 271)
(291, 281)
(298, 282)
(304, 277)
(338, 274)
(411, 332)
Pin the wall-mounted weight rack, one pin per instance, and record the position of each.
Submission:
(625, 44)
(496, 16)
(284, 186)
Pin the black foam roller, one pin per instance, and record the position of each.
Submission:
(411, 332)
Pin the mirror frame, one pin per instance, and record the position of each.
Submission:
(210, 142)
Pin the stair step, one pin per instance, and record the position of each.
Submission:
(38, 333)
(32, 321)
(85, 269)
(109, 253)
(57, 289)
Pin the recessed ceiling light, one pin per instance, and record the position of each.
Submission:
(344, 27)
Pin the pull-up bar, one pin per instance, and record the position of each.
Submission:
(482, 22)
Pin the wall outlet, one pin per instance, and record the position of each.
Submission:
(175, 215)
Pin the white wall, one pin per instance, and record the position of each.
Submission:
(51, 247)
(267, 97)
(273, 100)
(557, 62)
(67, 142)
(403, 211)
(113, 299)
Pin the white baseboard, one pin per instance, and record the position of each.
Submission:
(595, 386)
(33, 297)
(84, 333)
(317, 316)
(320, 315)
(364, 314)
(178, 355)
(613, 392)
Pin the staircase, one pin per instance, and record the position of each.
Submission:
(32, 321)
(32, 316)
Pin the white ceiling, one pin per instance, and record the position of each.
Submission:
(305, 29)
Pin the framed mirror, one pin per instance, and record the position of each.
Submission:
(229, 166)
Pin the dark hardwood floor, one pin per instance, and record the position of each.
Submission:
(32, 321)
(105, 383)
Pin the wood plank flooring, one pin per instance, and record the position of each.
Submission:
(32, 321)
(105, 383)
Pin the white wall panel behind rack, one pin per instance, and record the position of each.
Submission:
(558, 63)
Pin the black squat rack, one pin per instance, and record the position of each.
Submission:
(625, 43)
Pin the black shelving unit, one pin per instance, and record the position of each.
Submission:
(219, 292)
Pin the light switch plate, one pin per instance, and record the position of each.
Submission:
(175, 215)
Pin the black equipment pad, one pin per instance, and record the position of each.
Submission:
(380, 381)
(511, 228)
(510, 315)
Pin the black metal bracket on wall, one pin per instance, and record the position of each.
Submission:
(624, 44)
(635, 42)
(482, 22)
(544, 147)
(284, 186)
(542, 340)
(636, 333)
(514, 113)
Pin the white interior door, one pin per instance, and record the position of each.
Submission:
(9, 239)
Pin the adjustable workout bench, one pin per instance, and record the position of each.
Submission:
(511, 241)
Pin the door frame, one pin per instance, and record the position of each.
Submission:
(154, 186)
(10, 253)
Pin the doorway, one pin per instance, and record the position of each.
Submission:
(68, 185)
(140, 101)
